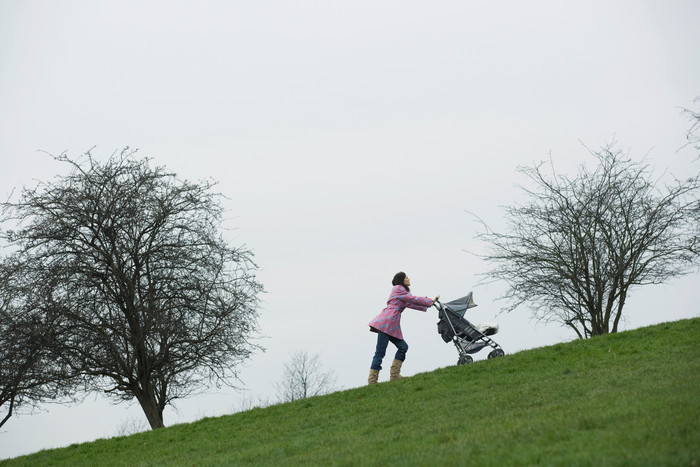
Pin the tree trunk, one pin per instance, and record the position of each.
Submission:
(151, 409)
(9, 412)
(620, 304)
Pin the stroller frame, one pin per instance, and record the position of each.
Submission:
(469, 342)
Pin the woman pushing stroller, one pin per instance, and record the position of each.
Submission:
(387, 325)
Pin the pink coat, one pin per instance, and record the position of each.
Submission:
(389, 320)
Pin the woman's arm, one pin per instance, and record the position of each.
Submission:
(411, 301)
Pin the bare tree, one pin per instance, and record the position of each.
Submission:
(576, 247)
(154, 304)
(128, 427)
(246, 403)
(303, 377)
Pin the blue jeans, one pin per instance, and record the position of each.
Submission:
(382, 343)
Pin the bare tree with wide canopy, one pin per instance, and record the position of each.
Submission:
(153, 302)
(574, 249)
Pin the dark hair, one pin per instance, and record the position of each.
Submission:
(398, 280)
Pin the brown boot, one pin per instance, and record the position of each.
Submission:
(373, 377)
(394, 372)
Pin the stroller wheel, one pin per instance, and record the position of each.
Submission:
(464, 360)
(497, 353)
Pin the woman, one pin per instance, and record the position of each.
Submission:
(387, 325)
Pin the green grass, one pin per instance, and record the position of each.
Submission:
(631, 398)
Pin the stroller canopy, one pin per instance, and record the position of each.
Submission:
(460, 305)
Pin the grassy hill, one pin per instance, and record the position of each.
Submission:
(631, 398)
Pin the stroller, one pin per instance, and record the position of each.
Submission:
(468, 339)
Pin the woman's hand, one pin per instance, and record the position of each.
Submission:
(437, 297)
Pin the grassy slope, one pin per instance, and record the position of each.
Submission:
(626, 399)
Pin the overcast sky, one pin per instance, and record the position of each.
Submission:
(350, 137)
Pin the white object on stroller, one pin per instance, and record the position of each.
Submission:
(488, 328)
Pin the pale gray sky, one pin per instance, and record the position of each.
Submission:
(350, 137)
